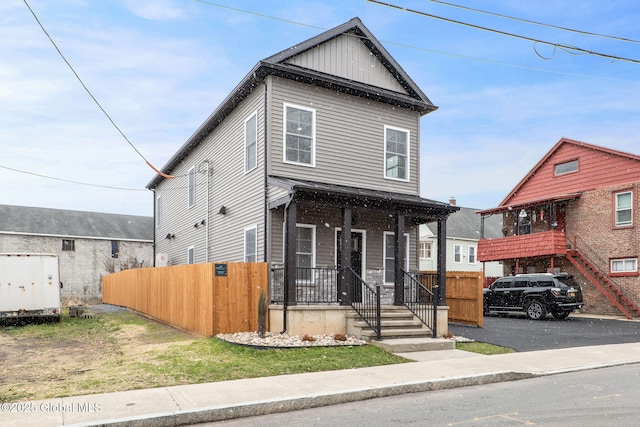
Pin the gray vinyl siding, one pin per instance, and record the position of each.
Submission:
(349, 137)
(242, 194)
(346, 56)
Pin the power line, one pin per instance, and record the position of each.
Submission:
(91, 94)
(564, 47)
(407, 46)
(71, 181)
(587, 33)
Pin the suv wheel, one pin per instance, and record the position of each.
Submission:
(535, 310)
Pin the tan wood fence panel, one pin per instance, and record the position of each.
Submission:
(192, 297)
(464, 296)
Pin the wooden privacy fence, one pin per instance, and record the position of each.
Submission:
(208, 299)
(464, 296)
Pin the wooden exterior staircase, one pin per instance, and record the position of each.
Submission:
(602, 282)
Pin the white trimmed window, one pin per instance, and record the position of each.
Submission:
(457, 254)
(251, 244)
(299, 135)
(396, 153)
(306, 246)
(389, 256)
(192, 186)
(251, 143)
(624, 209)
(158, 211)
(566, 167)
(191, 255)
(425, 250)
(472, 255)
(628, 265)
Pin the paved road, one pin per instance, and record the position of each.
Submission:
(522, 334)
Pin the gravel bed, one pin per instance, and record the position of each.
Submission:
(275, 340)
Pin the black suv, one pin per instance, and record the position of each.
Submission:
(536, 294)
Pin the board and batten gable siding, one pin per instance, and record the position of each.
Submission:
(350, 133)
(596, 169)
(346, 56)
(242, 194)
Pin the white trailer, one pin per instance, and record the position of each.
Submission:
(29, 287)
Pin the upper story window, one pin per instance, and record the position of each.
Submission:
(628, 265)
(425, 249)
(251, 143)
(566, 167)
(68, 245)
(115, 249)
(624, 209)
(457, 253)
(299, 138)
(251, 244)
(158, 211)
(396, 153)
(192, 186)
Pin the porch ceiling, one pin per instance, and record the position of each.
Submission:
(420, 209)
(530, 203)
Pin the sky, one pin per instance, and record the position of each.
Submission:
(159, 68)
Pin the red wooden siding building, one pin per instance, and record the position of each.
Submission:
(576, 211)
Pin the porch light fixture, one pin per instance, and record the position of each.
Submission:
(170, 236)
(222, 211)
(523, 213)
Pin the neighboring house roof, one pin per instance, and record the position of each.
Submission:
(410, 205)
(78, 224)
(283, 65)
(466, 224)
(598, 167)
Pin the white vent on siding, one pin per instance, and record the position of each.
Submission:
(162, 260)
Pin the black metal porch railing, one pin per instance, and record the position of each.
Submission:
(313, 285)
(421, 298)
(365, 300)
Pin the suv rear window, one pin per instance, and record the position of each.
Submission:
(541, 283)
(502, 283)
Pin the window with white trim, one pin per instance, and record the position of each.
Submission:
(627, 265)
(158, 211)
(251, 244)
(457, 253)
(624, 209)
(299, 138)
(425, 250)
(251, 143)
(566, 167)
(306, 246)
(471, 255)
(396, 153)
(192, 186)
(191, 255)
(389, 256)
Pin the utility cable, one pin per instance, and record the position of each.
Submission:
(564, 47)
(542, 24)
(91, 95)
(71, 181)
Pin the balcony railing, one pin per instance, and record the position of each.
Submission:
(524, 246)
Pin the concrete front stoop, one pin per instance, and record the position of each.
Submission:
(401, 332)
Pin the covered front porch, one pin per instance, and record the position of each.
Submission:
(349, 249)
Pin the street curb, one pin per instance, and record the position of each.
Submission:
(274, 406)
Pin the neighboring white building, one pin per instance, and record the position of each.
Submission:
(463, 233)
(89, 244)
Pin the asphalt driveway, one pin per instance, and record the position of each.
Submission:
(521, 334)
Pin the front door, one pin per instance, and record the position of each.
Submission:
(357, 259)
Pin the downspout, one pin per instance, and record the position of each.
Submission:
(155, 227)
(206, 235)
(266, 210)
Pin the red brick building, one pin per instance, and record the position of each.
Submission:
(576, 211)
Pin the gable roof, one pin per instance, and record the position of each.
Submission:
(594, 171)
(78, 224)
(283, 64)
(466, 224)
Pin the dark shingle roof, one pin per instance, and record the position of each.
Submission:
(58, 222)
(465, 224)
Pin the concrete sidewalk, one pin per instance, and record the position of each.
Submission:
(190, 404)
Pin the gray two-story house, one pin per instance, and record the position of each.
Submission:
(311, 164)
